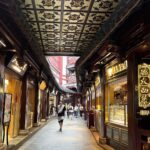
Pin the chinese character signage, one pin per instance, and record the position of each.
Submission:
(7, 107)
(144, 88)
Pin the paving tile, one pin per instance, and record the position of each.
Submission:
(75, 136)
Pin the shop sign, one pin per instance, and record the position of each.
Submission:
(7, 108)
(43, 85)
(111, 71)
(19, 68)
(144, 88)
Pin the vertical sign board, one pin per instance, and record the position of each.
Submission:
(144, 89)
(7, 108)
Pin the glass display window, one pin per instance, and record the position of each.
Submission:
(116, 94)
(13, 85)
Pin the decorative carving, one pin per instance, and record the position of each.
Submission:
(48, 3)
(77, 3)
(48, 22)
(49, 15)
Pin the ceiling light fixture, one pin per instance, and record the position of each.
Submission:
(2, 43)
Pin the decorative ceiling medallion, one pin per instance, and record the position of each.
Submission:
(49, 15)
(70, 36)
(98, 18)
(72, 27)
(75, 17)
(48, 4)
(77, 4)
(49, 27)
(87, 37)
(51, 35)
(104, 5)
(91, 28)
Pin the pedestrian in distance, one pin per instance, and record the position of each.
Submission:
(61, 114)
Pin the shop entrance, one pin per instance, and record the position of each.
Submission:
(13, 86)
(30, 105)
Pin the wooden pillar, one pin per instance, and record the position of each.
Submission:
(132, 100)
(44, 98)
(102, 78)
(23, 103)
(95, 95)
(89, 102)
(47, 111)
(36, 103)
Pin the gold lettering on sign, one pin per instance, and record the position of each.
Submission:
(111, 71)
(144, 85)
(144, 112)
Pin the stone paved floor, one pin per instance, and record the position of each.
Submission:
(75, 136)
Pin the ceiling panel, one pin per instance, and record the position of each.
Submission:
(66, 25)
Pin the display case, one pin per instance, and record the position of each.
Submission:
(117, 102)
(118, 114)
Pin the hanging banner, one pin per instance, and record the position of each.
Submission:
(7, 107)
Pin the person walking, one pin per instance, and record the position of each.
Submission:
(71, 111)
(61, 114)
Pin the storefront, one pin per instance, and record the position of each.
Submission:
(14, 71)
(13, 85)
(116, 115)
(30, 103)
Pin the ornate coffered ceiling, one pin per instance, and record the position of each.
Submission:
(66, 26)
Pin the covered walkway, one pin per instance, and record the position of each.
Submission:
(75, 136)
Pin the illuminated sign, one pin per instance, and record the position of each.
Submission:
(144, 88)
(19, 68)
(111, 71)
(43, 85)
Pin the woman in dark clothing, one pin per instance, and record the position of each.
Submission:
(61, 114)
